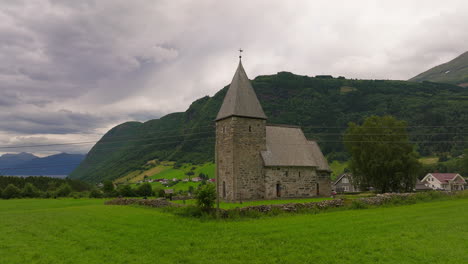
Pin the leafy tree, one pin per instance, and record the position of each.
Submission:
(30, 191)
(464, 164)
(159, 192)
(108, 187)
(64, 190)
(95, 193)
(381, 154)
(126, 191)
(11, 191)
(191, 189)
(145, 190)
(206, 197)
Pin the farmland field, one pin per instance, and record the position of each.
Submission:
(86, 231)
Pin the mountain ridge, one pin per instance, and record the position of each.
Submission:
(321, 106)
(454, 71)
(27, 164)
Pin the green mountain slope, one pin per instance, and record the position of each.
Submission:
(322, 106)
(454, 72)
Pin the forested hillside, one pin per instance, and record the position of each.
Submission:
(437, 115)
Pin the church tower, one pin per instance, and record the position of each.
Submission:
(240, 138)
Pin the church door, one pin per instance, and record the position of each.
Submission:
(278, 190)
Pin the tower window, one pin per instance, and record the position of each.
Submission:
(224, 189)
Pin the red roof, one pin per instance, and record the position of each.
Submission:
(445, 177)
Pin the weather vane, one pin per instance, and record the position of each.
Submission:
(240, 53)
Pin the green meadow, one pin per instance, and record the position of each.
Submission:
(86, 231)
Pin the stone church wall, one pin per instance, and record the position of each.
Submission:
(290, 182)
(239, 142)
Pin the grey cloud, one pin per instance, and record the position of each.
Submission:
(108, 61)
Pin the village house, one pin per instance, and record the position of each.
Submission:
(345, 183)
(444, 181)
(256, 160)
(421, 186)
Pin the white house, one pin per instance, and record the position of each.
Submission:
(444, 181)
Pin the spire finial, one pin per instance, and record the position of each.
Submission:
(240, 54)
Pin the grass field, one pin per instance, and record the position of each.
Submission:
(86, 231)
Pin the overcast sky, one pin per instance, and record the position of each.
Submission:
(71, 70)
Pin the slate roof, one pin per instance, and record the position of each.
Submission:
(287, 146)
(240, 99)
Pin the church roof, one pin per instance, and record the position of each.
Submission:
(287, 146)
(240, 99)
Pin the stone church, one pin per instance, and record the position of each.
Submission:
(256, 160)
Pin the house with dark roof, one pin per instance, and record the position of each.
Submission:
(345, 183)
(256, 160)
(444, 181)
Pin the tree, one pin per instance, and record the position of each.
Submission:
(206, 197)
(381, 154)
(108, 187)
(464, 164)
(30, 191)
(95, 193)
(145, 190)
(64, 190)
(126, 191)
(11, 191)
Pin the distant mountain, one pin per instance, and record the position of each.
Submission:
(323, 106)
(26, 164)
(11, 160)
(453, 72)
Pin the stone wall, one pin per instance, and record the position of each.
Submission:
(289, 182)
(239, 142)
(324, 183)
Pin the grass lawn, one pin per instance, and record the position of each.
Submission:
(225, 205)
(86, 231)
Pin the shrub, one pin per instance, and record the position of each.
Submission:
(11, 191)
(206, 197)
(30, 191)
(145, 190)
(126, 191)
(108, 187)
(64, 190)
(95, 193)
(357, 204)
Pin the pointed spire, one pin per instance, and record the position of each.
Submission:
(240, 99)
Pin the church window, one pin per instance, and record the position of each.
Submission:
(224, 189)
(224, 129)
(299, 174)
(278, 190)
(286, 173)
(250, 128)
(345, 180)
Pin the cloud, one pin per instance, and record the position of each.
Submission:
(77, 68)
